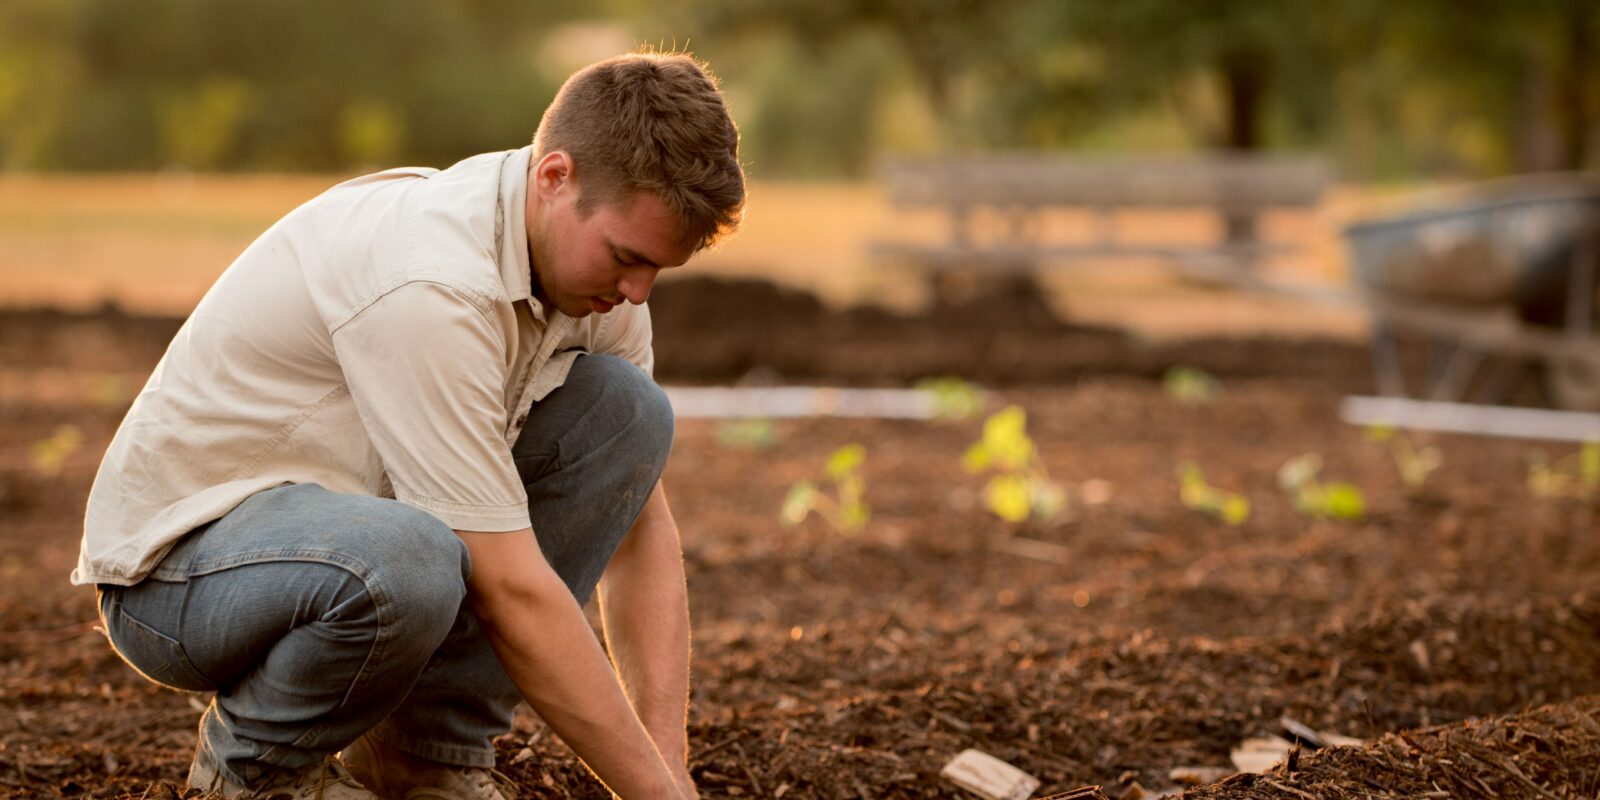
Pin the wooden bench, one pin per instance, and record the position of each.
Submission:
(1012, 193)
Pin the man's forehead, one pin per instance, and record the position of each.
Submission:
(644, 229)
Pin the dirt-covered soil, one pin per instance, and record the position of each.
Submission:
(1455, 629)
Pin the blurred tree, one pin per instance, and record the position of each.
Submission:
(1250, 59)
(293, 84)
(1475, 86)
(39, 74)
(1529, 68)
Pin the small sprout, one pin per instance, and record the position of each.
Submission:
(1413, 464)
(1191, 386)
(1195, 493)
(952, 397)
(845, 511)
(797, 503)
(843, 463)
(752, 433)
(49, 455)
(1575, 475)
(1023, 487)
(1336, 500)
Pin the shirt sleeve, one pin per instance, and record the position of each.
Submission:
(426, 367)
(629, 335)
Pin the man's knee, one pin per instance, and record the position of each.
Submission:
(622, 397)
(413, 559)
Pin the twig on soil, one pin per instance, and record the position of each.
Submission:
(877, 631)
(963, 727)
(718, 746)
(744, 764)
(1488, 756)
(1290, 789)
(1048, 552)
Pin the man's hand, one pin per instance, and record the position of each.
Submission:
(547, 647)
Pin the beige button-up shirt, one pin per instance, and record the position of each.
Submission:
(382, 339)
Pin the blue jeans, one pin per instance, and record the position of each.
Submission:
(316, 616)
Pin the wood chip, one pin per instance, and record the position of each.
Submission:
(1080, 793)
(989, 777)
(1340, 740)
(1195, 776)
(1260, 755)
(1305, 733)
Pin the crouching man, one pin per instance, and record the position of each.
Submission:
(399, 444)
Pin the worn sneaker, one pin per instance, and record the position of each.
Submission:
(326, 781)
(397, 775)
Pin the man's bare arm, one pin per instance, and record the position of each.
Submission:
(541, 636)
(645, 609)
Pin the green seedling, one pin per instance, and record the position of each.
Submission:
(952, 397)
(1414, 465)
(1314, 498)
(1191, 386)
(845, 510)
(750, 433)
(49, 455)
(1195, 493)
(1573, 475)
(1022, 487)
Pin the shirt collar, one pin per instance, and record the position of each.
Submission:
(515, 269)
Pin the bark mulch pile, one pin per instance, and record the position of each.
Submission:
(1455, 629)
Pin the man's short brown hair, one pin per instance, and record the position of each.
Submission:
(654, 122)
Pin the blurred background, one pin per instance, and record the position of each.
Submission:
(143, 145)
(1169, 237)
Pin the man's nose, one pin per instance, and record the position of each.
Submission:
(635, 284)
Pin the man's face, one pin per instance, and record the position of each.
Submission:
(590, 263)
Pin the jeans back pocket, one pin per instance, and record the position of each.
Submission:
(150, 652)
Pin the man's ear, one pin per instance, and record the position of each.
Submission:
(552, 174)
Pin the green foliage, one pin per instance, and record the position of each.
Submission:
(49, 455)
(224, 84)
(1191, 386)
(1314, 498)
(1413, 464)
(1575, 475)
(1195, 493)
(819, 89)
(370, 132)
(846, 511)
(749, 433)
(1022, 488)
(952, 397)
(199, 126)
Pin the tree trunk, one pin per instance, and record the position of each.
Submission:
(1244, 77)
(1572, 88)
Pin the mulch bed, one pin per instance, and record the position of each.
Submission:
(1454, 629)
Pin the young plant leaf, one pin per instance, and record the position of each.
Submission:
(1235, 509)
(797, 503)
(1007, 496)
(1343, 501)
(845, 460)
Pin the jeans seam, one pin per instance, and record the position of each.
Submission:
(370, 584)
(318, 555)
(380, 641)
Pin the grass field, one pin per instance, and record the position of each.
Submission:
(154, 242)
